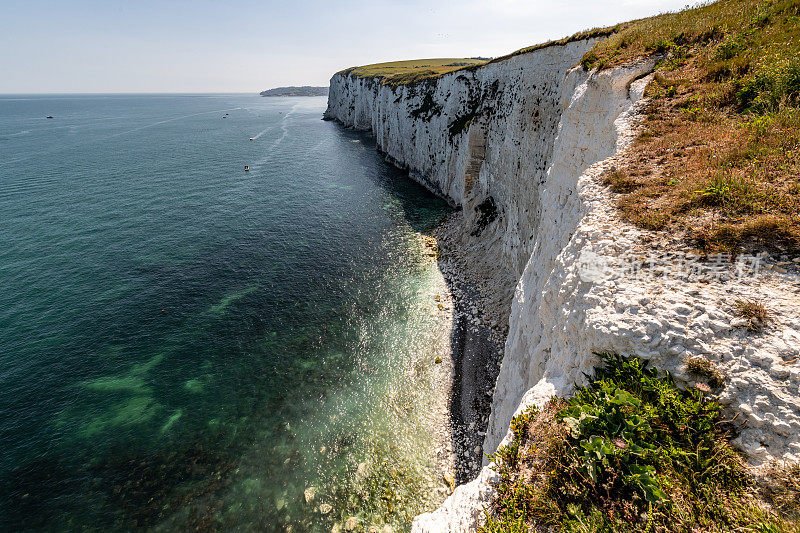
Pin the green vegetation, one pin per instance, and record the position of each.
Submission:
(412, 71)
(461, 123)
(631, 452)
(719, 155)
(427, 109)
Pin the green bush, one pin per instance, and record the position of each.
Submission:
(769, 90)
(628, 452)
(723, 190)
(637, 435)
(729, 49)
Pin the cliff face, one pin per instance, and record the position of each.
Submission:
(482, 139)
(473, 135)
(488, 141)
(519, 145)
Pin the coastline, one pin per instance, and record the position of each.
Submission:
(470, 357)
(476, 348)
(525, 147)
(476, 306)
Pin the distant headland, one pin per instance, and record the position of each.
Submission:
(305, 90)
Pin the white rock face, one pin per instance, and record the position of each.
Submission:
(464, 509)
(519, 145)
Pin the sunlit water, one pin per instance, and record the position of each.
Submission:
(188, 345)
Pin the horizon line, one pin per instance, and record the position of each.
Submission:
(188, 93)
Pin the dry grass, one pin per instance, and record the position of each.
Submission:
(621, 182)
(780, 486)
(704, 368)
(719, 155)
(727, 181)
(755, 312)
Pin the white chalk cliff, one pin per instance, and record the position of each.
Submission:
(519, 144)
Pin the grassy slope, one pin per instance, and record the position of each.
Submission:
(411, 71)
(719, 157)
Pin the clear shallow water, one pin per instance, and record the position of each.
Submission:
(185, 344)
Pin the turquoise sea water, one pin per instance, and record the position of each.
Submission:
(188, 345)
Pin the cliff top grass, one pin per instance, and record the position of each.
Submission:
(709, 22)
(631, 452)
(593, 33)
(718, 159)
(412, 71)
(415, 70)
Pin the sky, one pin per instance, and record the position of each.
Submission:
(89, 46)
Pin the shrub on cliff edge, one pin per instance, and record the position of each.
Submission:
(629, 452)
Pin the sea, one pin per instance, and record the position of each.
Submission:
(187, 345)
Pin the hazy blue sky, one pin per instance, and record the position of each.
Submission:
(244, 45)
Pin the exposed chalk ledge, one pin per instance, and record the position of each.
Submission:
(534, 132)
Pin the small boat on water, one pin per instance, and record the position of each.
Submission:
(246, 168)
(252, 138)
(50, 116)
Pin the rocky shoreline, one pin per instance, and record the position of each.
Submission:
(472, 358)
(477, 342)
